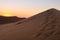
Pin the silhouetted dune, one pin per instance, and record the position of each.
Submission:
(43, 26)
(5, 20)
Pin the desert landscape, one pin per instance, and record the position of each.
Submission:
(29, 19)
(42, 26)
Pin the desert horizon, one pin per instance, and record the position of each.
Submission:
(26, 8)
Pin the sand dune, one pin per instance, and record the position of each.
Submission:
(43, 26)
(6, 20)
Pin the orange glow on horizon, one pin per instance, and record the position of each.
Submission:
(21, 13)
(6, 14)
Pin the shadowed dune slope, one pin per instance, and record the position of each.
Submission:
(6, 20)
(43, 26)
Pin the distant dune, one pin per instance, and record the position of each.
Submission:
(6, 20)
(43, 26)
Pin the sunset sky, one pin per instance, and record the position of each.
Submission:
(26, 8)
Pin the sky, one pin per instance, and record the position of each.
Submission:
(27, 8)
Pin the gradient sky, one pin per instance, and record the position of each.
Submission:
(27, 8)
